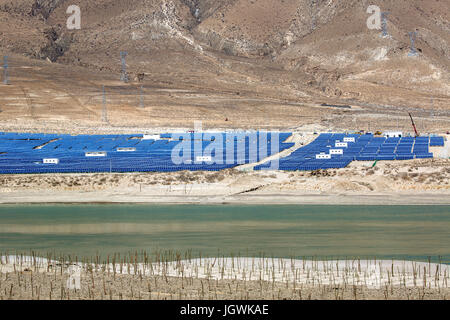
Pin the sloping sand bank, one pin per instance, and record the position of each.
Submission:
(372, 274)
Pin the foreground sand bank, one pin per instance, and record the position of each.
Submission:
(223, 278)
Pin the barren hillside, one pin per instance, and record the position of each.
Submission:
(235, 63)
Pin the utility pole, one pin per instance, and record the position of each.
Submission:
(104, 111)
(5, 70)
(432, 109)
(124, 74)
(412, 38)
(313, 14)
(384, 32)
(141, 103)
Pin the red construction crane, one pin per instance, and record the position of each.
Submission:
(413, 124)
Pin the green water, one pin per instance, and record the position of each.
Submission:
(401, 232)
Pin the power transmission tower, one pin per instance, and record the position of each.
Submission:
(432, 109)
(141, 103)
(124, 74)
(313, 14)
(384, 32)
(412, 38)
(104, 111)
(5, 70)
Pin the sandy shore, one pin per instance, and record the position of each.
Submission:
(223, 278)
(255, 199)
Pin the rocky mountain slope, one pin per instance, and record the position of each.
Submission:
(300, 51)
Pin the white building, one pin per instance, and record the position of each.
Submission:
(203, 159)
(349, 139)
(341, 144)
(126, 149)
(151, 137)
(393, 134)
(336, 151)
(95, 154)
(323, 155)
(50, 160)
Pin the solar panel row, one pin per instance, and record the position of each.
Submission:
(25, 153)
(358, 147)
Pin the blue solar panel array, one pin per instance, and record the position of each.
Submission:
(436, 141)
(24, 152)
(365, 148)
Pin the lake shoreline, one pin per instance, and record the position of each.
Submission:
(61, 197)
